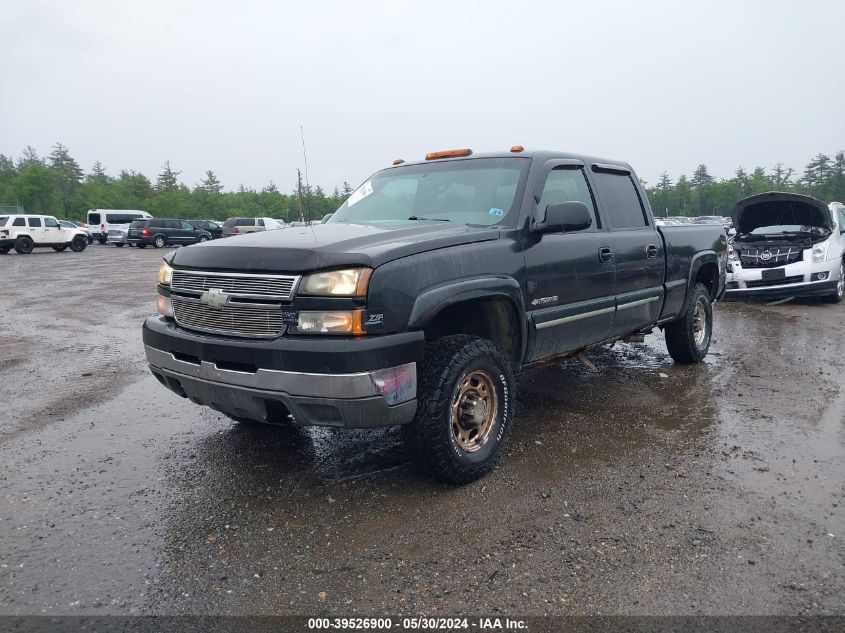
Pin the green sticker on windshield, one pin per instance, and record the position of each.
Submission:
(496, 211)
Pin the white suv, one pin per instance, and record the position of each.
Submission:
(787, 245)
(25, 232)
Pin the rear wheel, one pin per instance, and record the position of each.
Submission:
(59, 248)
(78, 244)
(688, 338)
(203, 238)
(23, 245)
(839, 293)
(466, 408)
(159, 241)
(5, 249)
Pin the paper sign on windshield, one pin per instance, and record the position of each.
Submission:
(360, 193)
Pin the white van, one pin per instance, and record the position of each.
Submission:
(99, 220)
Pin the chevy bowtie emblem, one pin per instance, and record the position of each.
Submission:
(214, 298)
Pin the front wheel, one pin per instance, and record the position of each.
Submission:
(466, 408)
(688, 338)
(839, 293)
(78, 244)
(203, 238)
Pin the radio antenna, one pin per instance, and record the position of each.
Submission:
(307, 186)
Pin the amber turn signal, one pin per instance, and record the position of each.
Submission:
(449, 153)
(398, 161)
(517, 148)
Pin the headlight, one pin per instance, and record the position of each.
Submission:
(732, 254)
(351, 282)
(820, 252)
(165, 274)
(330, 322)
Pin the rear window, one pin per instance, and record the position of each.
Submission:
(137, 224)
(19, 222)
(93, 218)
(230, 223)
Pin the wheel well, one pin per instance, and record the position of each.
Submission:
(494, 319)
(708, 275)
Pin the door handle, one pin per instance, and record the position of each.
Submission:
(605, 255)
(651, 251)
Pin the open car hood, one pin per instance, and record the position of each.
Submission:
(776, 207)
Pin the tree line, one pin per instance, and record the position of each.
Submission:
(57, 185)
(701, 194)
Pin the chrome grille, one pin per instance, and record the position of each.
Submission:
(232, 319)
(768, 257)
(264, 286)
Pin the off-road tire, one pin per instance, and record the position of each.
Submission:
(60, 248)
(78, 244)
(431, 437)
(839, 293)
(24, 245)
(681, 336)
(159, 241)
(5, 249)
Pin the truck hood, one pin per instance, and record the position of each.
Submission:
(306, 248)
(775, 207)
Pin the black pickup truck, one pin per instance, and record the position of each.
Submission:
(422, 296)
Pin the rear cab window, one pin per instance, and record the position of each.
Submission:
(622, 205)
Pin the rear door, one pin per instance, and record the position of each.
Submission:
(637, 249)
(570, 279)
(37, 231)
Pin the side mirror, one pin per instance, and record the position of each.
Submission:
(564, 217)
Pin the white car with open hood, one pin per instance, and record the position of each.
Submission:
(787, 245)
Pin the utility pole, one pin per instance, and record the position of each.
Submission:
(299, 189)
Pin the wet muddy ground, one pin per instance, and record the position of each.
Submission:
(639, 488)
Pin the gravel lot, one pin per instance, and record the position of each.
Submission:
(639, 488)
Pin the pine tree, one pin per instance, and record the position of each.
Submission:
(67, 175)
(211, 183)
(781, 176)
(168, 179)
(700, 181)
(29, 157)
(98, 174)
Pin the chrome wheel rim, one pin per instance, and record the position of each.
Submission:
(699, 323)
(840, 285)
(474, 410)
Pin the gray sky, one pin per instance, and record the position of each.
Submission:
(226, 85)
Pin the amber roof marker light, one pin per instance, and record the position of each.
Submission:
(449, 153)
(517, 148)
(398, 161)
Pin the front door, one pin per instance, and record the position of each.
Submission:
(53, 233)
(570, 275)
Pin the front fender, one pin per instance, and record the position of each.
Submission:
(431, 302)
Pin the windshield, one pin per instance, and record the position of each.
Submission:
(479, 191)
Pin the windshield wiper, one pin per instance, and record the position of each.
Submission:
(416, 217)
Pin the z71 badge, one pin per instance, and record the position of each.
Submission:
(374, 320)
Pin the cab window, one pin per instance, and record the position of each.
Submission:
(35, 222)
(19, 222)
(51, 223)
(620, 200)
(568, 184)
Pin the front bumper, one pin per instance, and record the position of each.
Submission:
(801, 276)
(360, 383)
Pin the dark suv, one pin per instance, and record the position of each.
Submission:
(213, 228)
(160, 232)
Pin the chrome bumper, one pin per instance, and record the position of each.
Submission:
(384, 397)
